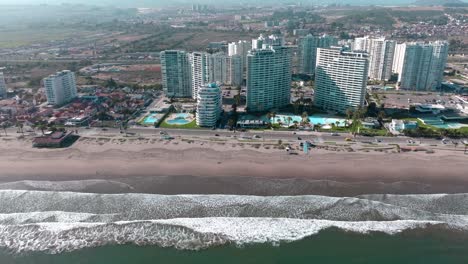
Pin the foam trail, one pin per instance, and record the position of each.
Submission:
(185, 233)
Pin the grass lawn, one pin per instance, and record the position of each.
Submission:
(192, 124)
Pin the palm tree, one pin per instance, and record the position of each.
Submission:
(289, 120)
(337, 123)
(5, 125)
(20, 125)
(349, 113)
(305, 117)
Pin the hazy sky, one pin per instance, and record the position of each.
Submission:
(144, 3)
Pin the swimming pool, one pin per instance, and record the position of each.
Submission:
(151, 119)
(179, 119)
(313, 119)
(439, 123)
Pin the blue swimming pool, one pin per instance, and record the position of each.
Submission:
(439, 123)
(313, 119)
(150, 119)
(179, 119)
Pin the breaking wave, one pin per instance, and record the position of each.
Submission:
(55, 222)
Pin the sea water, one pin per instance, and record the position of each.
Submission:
(70, 227)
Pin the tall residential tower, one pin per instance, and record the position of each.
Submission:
(307, 47)
(268, 78)
(423, 65)
(176, 73)
(60, 88)
(340, 79)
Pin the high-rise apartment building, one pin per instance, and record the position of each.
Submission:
(209, 105)
(3, 89)
(60, 88)
(399, 58)
(176, 73)
(268, 78)
(263, 42)
(307, 49)
(381, 55)
(340, 79)
(199, 70)
(236, 71)
(423, 65)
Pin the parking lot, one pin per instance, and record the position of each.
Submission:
(403, 99)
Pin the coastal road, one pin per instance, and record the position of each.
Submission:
(267, 135)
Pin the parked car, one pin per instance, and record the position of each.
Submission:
(334, 134)
(257, 136)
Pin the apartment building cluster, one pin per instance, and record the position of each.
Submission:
(419, 65)
(341, 73)
(265, 62)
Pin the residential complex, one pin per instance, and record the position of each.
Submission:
(199, 71)
(381, 55)
(423, 65)
(268, 78)
(236, 76)
(399, 58)
(209, 105)
(240, 48)
(340, 79)
(272, 40)
(60, 88)
(176, 73)
(307, 49)
(3, 89)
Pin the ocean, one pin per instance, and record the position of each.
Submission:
(72, 227)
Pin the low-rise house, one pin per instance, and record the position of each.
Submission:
(400, 125)
(56, 139)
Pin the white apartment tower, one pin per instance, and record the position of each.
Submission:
(399, 58)
(209, 105)
(240, 48)
(176, 73)
(307, 47)
(218, 68)
(236, 71)
(268, 78)
(60, 88)
(3, 89)
(340, 79)
(199, 70)
(381, 55)
(423, 65)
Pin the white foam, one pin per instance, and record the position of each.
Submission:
(181, 233)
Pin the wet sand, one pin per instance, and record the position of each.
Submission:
(171, 168)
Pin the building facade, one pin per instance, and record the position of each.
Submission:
(381, 55)
(340, 79)
(176, 73)
(199, 71)
(307, 51)
(268, 78)
(209, 105)
(236, 71)
(399, 58)
(60, 88)
(423, 66)
(3, 89)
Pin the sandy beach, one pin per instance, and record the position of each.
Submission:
(190, 166)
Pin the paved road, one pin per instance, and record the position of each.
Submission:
(267, 135)
(264, 135)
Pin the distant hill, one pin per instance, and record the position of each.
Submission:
(448, 3)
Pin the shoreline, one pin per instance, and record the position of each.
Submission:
(181, 167)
